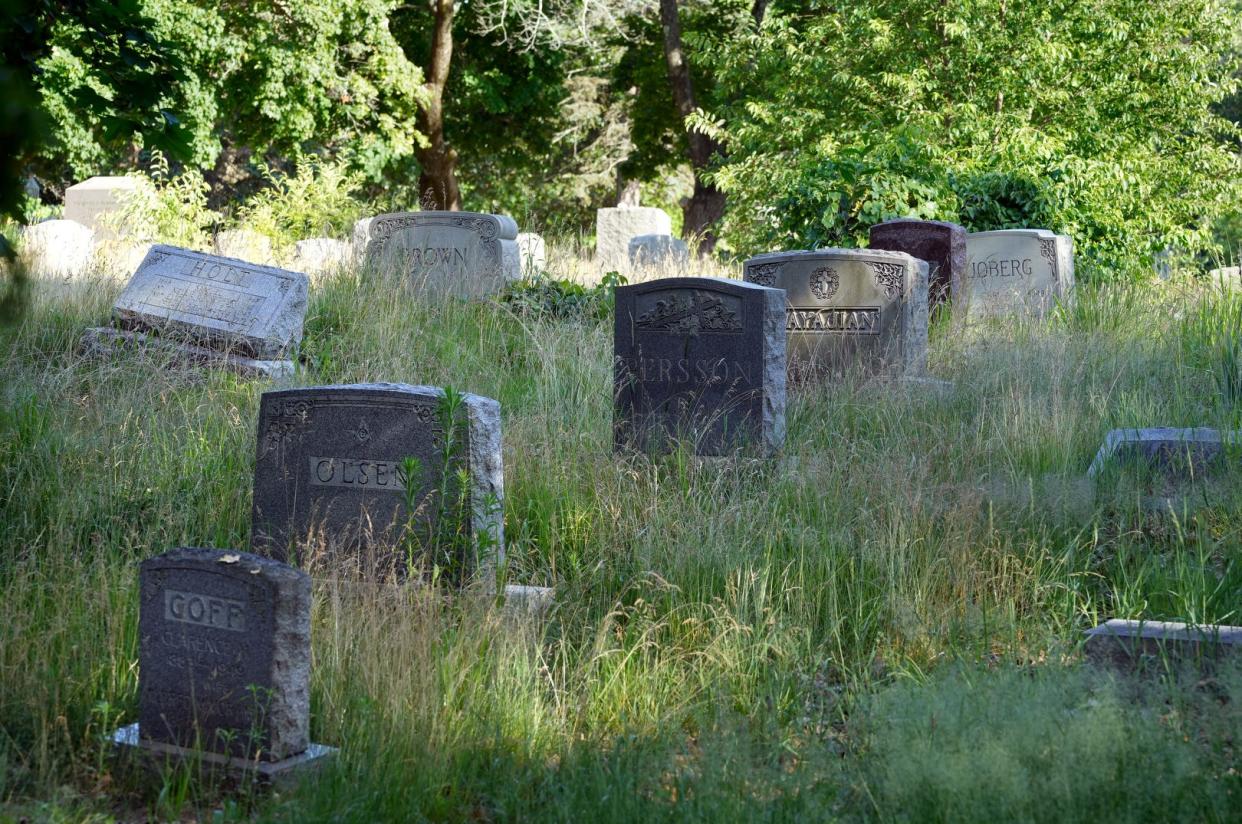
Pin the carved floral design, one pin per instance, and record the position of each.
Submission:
(382, 229)
(690, 314)
(824, 282)
(890, 277)
(1048, 249)
(284, 422)
(764, 274)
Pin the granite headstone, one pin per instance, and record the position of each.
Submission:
(616, 226)
(467, 254)
(1129, 644)
(942, 245)
(658, 251)
(1166, 449)
(91, 200)
(700, 359)
(1015, 270)
(850, 310)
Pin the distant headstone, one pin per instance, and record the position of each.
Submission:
(329, 475)
(1015, 270)
(358, 240)
(61, 249)
(250, 316)
(224, 660)
(89, 201)
(320, 254)
(614, 227)
(849, 310)
(1181, 451)
(1228, 277)
(1126, 644)
(658, 251)
(942, 245)
(244, 244)
(534, 253)
(458, 253)
(701, 359)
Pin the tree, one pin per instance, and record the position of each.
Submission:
(437, 181)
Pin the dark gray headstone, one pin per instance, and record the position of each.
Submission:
(220, 303)
(467, 254)
(224, 653)
(700, 359)
(850, 310)
(1124, 644)
(1165, 449)
(328, 475)
(942, 245)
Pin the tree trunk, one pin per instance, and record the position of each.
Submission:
(437, 182)
(706, 205)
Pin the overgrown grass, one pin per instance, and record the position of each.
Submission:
(880, 624)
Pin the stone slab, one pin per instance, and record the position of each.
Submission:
(528, 601)
(1125, 643)
(328, 475)
(244, 244)
(466, 254)
(319, 255)
(533, 252)
(850, 310)
(224, 653)
(90, 201)
(58, 249)
(1165, 448)
(104, 342)
(701, 359)
(658, 251)
(157, 757)
(942, 245)
(616, 226)
(1022, 271)
(220, 303)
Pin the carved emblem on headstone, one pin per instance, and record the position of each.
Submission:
(283, 423)
(690, 314)
(765, 274)
(824, 282)
(363, 433)
(890, 277)
(1048, 248)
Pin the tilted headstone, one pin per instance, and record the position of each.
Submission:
(1183, 451)
(658, 251)
(244, 244)
(942, 245)
(459, 253)
(329, 474)
(94, 198)
(700, 359)
(614, 227)
(1015, 270)
(850, 310)
(224, 659)
(533, 252)
(249, 313)
(60, 249)
(1126, 644)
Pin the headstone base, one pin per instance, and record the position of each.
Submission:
(153, 755)
(104, 341)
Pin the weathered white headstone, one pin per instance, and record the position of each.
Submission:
(614, 227)
(244, 244)
(849, 310)
(1227, 277)
(359, 238)
(467, 254)
(60, 249)
(320, 254)
(89, 201)
(1015, 270)
(534, 253)
(658, 251)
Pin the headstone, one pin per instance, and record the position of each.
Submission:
(320, 254)
(1126, 644)
(89, 201)
(1015, 270)
(1167, 449)
(1228, 277)
(658, 251)
(244, 244)
(248, 316)
(61, 249)
(615, 227)
(329, 476)
(359, 238)
(534, 253)
(850, 310)
(224, 660)
(701, 359)
(458, 253)
(942, 245)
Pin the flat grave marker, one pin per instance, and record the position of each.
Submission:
(1127, 643)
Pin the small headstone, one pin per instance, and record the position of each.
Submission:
(615, 227)
(850, 310)
(658, 251)
(533, 252)
(1125, 644)
(320, 254)
(457, 253)
(1015, 270)
(89, 201)
(701, 359)
(358, 239)
(239, 311)
(329, 476)
(224, 661)
(244, 244)
(1167, 449)
(1228, 277)
(60, 249)
(942, 245)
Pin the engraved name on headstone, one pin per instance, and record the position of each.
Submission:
(701, 359)
(459, 253)
(942, 245)
(330, 475)
(224, 654)
(1015, 270)
(850, 310)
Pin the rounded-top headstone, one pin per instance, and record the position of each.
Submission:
(468, 254)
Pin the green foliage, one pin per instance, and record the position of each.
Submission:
(548, 298)
(1091, 119)
(318, 200)
(169, 208)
